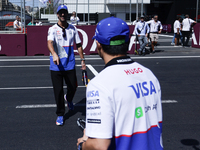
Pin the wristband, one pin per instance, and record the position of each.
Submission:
(82, 59)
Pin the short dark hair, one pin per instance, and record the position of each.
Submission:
(186, 16)
(178, 17)
(116, 49)
(155, 16)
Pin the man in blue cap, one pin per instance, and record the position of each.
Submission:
(61, 38)
(123, 102)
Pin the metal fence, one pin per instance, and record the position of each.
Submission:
(12, 16)
(91, 11)
(88, 11)
(15, 15)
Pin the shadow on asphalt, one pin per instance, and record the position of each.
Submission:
(191, 142)
(79, 107)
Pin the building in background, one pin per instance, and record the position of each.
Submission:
(167, 10)
(28, 8)
(118, 8)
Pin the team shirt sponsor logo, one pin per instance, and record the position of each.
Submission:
(133, 71)
(138, 112)
(97, 121)
(95, 101)
(93, 94)
(143, 89)
(149, 108)
(124, 60)
(94, 114)
(92, 108)
(58, 32)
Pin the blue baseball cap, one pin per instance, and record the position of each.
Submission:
(109, 28)
(62, 7)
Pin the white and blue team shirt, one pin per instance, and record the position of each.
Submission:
(63, 46)
(124, 104)
(154, 26)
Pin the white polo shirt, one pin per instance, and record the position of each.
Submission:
(186, 24)
(63, 46)
(124, 104)
(14, 24)
(154, 26)
(74, 20)
(143, 27)
(177, 25)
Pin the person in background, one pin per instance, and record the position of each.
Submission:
(121, 115)
(16, 23)
(180, 32)
(74, 19)
(177, 29)
(142, 30)
(61, 38)
(186, 29)
(31, 23)
(155, 29)
(38, 23)
(20, 23)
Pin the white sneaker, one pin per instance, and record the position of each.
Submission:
(172, 43)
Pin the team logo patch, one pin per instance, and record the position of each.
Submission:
(58, 32)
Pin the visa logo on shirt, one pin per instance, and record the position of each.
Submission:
(93, 94)
(143, 89)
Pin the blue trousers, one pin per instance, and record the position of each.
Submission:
(143, 42)
(173, 40)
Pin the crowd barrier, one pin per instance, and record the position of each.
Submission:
(167, 28)
(13, 44)
(196, 36)
(37, 40)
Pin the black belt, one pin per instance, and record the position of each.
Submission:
(154, 32)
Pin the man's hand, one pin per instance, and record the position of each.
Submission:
(146, 35)
(138, 35)
(83, 139)
(83, 65)
(56, 59)
(159, 31)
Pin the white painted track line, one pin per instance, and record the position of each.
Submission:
(92, 70)
(77, 105)
(33, 88)
(169, 101)
(24, 66)
(98, 58)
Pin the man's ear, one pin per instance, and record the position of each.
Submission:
(98, 45)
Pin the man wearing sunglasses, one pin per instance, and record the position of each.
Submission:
(61, 38)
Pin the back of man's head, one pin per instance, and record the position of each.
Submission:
(178, 17)
(186, 16)
(113, 35)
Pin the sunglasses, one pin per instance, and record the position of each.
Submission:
(64, 34)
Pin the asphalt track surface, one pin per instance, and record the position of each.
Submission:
(27, 109)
